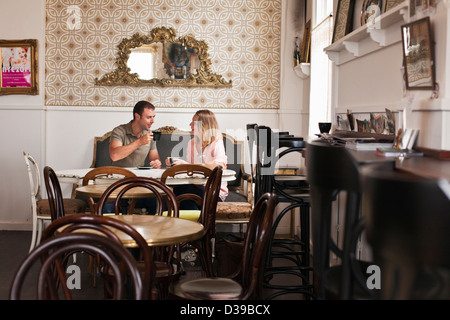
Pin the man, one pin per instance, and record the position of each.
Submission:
(132, 142)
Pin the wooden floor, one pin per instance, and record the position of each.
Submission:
(14, 246)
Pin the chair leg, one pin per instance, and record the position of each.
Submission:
(33, 235)
(39, 231)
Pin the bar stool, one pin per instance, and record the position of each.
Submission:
(330, 171)
(408, 227)
(294, 190)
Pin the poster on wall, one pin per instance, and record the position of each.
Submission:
(19, 67)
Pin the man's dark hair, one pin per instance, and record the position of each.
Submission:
(140, 106)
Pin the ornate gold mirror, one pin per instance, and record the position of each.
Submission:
(163, 60)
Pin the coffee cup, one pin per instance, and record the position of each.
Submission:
(156, 135)
(324, 127)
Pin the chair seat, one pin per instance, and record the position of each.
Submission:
(162, 269)
(187, 214)
(233, 210)
(208, 288)
(71, 206)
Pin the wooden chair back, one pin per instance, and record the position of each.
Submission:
(167, 258)
(107, 226)
(255, 246)
(51, 254)
(247, 282)
(103, 172)
(207, 203)
(54, 193)
(190, 170)
(163, 194)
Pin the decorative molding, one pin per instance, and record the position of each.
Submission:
(370, 37)
(303, 70)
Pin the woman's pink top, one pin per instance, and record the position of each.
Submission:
(214, 152)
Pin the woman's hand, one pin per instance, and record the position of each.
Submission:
(174, 161)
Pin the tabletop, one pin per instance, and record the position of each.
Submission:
(97, 190)
(76, 175)
(158, 230)
(424, 166)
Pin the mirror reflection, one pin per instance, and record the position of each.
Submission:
(143, 61)
(163, 60)
(179, 60)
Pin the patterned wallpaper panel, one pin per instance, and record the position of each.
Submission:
(244, 39)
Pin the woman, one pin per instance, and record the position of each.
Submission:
(206, 148)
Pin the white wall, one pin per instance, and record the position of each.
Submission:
(62, 137)
(373, 82)
(22, 120)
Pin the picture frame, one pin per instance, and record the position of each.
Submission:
(370, 10)
(19, 67)
(344, 19)
(306, 45)
(418, 55)
(391, 4)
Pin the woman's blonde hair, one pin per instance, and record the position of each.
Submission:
(209, 126)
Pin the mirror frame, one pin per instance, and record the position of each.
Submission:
(121, 76)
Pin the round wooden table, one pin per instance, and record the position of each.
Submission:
(158, 230)
(97, 190)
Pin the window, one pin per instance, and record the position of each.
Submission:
(321, 10)
(320, 90)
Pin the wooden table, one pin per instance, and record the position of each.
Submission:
(158, 230)
(97, 190)
(425, 166)
(75, 176)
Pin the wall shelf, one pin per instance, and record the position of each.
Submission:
(381, 32)
(303, 70)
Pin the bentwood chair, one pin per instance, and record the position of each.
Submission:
(208, 205)
(332, 173)
(97, 174)
(50, 257)
(238, 205)
(408, 228)
(246, 283)
(108, 226)
(167, 258)
(40, 208)
(190, 170)
(55, 196)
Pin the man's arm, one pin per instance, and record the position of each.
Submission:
(117, 151)
(153, 156)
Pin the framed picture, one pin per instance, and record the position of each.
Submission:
(418, 55)
(306, 46)
(391, 4)
(370, 10)
(19, 67)
(344, 19)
